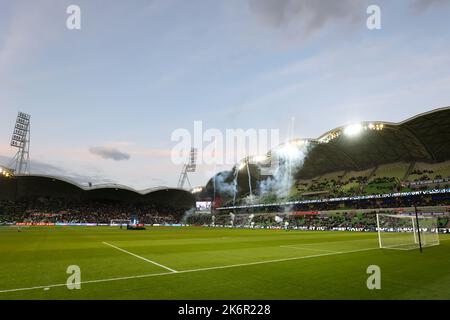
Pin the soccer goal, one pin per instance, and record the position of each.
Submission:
(119, 222)
(406, 231)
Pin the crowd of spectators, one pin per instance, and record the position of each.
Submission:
(362, 185)
(436, 199)
(361, 221)
(54, 210)
(334, 187)
(60, 211)
(345, 220)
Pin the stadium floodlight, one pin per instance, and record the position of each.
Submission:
(190, 166)
(259, 159)
(407, 232)
(353, 130)
(5, 172)
(299, 142)
(197, 190)
(329, 136)
(21, 140)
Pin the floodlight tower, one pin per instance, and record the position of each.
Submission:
(189, 166)
(21, 140)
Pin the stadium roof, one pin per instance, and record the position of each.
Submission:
(5, 171)
(424, 137)
(99, 186)
(35, 186)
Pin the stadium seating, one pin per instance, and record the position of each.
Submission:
(342, 220)
(429, 171)
(387, 178)
(63, 211)
(392, 170)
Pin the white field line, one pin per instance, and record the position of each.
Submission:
(276, 260)
(293, 246)
(88, 281)
(189, 270)
(302, 246)
(340, 241)
(139, 257)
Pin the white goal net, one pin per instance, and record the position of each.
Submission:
(406, 232)
(119, 222)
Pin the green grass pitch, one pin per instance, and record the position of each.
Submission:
(213, 263)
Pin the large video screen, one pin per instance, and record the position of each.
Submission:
(203, 206)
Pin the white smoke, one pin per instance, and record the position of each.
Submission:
(278, 219)
(290, 159)
(186, 215)
(250, 199)
(222, 186)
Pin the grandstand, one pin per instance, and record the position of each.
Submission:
(49, 199)
(422, 171)
(383, 157)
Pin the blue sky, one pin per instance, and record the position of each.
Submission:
(138, 70)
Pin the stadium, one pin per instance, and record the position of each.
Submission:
(304, 221)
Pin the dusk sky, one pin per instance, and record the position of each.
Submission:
(105, 99)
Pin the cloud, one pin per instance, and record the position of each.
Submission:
(109, 153)
(309, 16)
(39, 167)
(419, 6)
(134, 149)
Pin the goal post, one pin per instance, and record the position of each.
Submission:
(406, 231)
(429, 235)
(119, 222)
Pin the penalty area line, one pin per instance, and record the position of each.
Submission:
(139, 257)
(310, 249)
(190, 270)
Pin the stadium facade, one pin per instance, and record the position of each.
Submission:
(415, 153)
(29, 187)
(422, 138)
